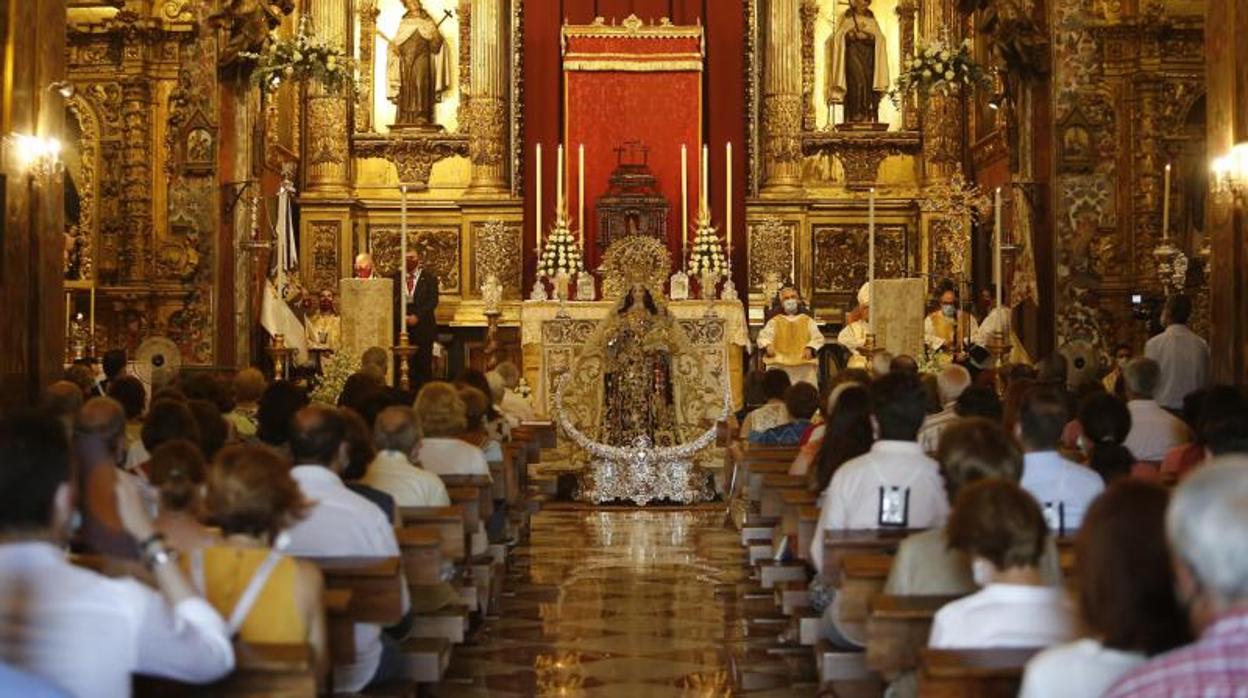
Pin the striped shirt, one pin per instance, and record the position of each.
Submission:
(1213, 667)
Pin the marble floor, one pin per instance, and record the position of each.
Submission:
(620, 602)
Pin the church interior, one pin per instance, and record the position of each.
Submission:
(688, 347)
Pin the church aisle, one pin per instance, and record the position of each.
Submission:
(616, 603)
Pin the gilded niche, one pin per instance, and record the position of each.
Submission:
(841, 251)
(438, 246)
(498, 251)
(771, 243)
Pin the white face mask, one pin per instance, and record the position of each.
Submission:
(790, 306)
(982, 572)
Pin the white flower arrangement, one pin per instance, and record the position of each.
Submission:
(940, 68)
(707, 253)
(562, 253)
(303, 58)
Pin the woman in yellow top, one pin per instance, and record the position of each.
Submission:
(266, 597)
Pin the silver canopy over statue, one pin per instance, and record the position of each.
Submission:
(634, 402)
(858, 65)
(418, 66)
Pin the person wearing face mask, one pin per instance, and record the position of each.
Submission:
(1113, 380)
(1001, 529)
(791, 339)
(947, 328)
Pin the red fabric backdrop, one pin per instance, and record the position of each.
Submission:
(723, 115)
(662, 109)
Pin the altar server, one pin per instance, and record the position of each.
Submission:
(854, 334)
(791, 339)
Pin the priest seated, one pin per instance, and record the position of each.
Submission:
(791, 339)
(854, 335)
(948, 329)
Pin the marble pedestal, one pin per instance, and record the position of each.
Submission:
(367, 308)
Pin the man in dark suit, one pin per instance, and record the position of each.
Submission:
(420, 322)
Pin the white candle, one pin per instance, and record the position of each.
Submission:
(538, 200)
(871, 261)
(559, 205)
(684, 202)
(706, 159)
(728, 199)
(92, 317)
(996, 244)
(1165, 207)
(580, 194)
(403, 258)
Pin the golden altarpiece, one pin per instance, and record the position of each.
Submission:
(174, 157)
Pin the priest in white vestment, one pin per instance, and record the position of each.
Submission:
(790, 341)
(854, 334)
(947, 329)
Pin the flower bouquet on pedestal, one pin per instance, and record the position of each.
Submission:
(562, 255)
(707, 261)
(940, 68)
(304, 58)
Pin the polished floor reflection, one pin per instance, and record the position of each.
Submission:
(616, 603)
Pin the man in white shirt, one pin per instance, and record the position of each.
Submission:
(950, 384)
(1182, 355)
(1064, 489)
(893, 484)
(854, 334)
(340, 523)
(82, 632)
(397, 437)
(791, 339)
(1154, 431)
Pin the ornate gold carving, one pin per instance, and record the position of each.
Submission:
(771, 242)
(840, 256)
(326, 238)
(327, 129)
(752, 146)
(861, 152)
(86, 181)
(942, 132)
(464, 76)
(782, 120)
(364, 97)
(638, 259)
(136, 182)
(498, 251)
(810, 14)
(486, 123)
(439, 251)
(631, 26)
(906, 11)
(517, 97)
(412, 154)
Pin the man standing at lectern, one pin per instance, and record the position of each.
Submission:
(420, 322)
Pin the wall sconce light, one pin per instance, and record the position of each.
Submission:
(1230, 175)
(38, 156)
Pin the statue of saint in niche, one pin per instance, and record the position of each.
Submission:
(858, 65)
(418, 67)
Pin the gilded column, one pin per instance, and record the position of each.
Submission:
(487, 105)
(942, 115)
(782, 96)
(136, 178)
(328, 155)
(906, 10)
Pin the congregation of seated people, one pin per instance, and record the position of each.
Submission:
(1140, 476)
(213, 502)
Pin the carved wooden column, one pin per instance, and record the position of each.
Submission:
(136, 177)
(487, 105)
(328, 153)
(906, 11)
(942, 116)
(1226, 69)
(782, 96)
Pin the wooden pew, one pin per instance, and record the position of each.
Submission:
(421, 550)
(987, 673)
(897, 629)
(862, 577)
(450, 524)
(261, 671)
(754, 472)
(375, 584)
(838, 543)
(339, 627)
(774, 486)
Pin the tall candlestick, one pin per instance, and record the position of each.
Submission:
(559, 205)
(91, 319)
(871, 261)
(996, 244)
(684, 202)
(580, 195)
(403, 258)
(1165, 207)
(728, 198)
(538, 198)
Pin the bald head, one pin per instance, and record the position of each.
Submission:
(103, 421)
(61, 399)
(396, 430)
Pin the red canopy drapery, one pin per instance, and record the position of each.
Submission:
(632, 82)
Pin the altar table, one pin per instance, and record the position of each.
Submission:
(550, 343)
